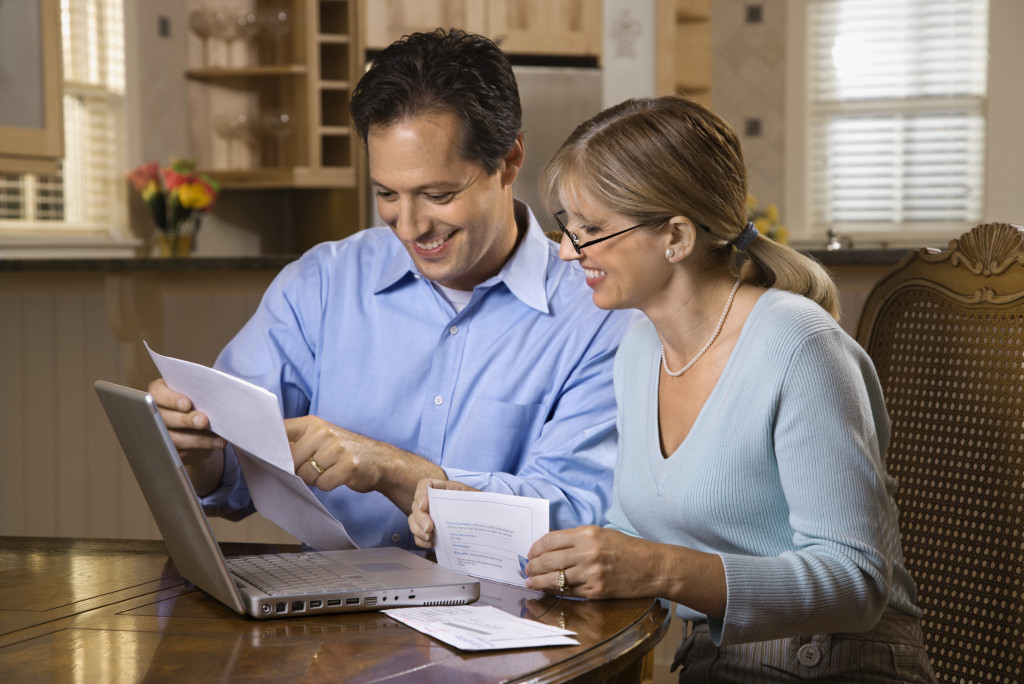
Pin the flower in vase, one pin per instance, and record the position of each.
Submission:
(177, 195)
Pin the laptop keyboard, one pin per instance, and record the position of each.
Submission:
(298, 573)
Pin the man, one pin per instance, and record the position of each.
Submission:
(454, 345)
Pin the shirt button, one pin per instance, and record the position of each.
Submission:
(438, 400)
(396, 537)
(809, 655)
(454, 329)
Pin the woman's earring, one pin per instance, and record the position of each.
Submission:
(669, 253)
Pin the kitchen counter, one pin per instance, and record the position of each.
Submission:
(858, 257)
(839, 257)
(197, 263)
(139, 288)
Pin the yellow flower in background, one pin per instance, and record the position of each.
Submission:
(195, 196)
(766, 220)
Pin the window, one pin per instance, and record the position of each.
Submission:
(895, 99)
(86, 195)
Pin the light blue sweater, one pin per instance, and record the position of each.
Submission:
(782, 475)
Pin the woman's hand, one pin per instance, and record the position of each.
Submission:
(420, 523)
(598, 562)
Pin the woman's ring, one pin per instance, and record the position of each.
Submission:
(561, 581)
(316, 466)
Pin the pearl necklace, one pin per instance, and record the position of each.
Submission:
(714, 336)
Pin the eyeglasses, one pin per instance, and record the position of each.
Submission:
(575, 240)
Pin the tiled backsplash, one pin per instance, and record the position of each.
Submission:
(749, 87)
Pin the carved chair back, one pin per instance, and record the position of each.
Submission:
(945, 330)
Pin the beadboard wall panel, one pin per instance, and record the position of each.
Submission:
(62, 472)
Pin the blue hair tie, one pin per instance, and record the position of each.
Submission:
(746, 237)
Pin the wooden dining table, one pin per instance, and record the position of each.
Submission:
(79, 610)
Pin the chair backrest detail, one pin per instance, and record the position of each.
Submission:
(945, 330)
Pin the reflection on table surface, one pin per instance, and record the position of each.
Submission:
(102, 610)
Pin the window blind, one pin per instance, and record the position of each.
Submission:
(896, 114)
(86, 194)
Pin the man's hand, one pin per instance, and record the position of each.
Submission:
(201, 451)
(329, 456)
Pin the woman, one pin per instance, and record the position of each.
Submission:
(750, 487)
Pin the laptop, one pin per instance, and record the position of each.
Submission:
(267, 585)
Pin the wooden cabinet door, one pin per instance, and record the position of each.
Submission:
(31, 125)
(547, 27)
(389, 20)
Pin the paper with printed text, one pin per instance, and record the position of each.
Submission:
(249, 417)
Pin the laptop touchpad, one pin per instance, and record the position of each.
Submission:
(380, 567)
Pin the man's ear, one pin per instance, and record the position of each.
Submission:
(513, 161)
(681, 238)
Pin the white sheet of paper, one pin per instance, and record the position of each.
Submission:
(483, 534)
(481, 628)
(250, 418)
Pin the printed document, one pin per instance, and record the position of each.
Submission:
(481, 628)
(250, 418)
(484, 534)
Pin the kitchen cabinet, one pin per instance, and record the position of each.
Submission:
(562, 28)
(269, 85)
(684, 49)
(31, 125)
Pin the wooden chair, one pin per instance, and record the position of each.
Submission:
(945, 330)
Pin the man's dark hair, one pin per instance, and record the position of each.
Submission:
(444, 71)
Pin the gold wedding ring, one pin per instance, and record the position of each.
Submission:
(316, 466)
(561, 581)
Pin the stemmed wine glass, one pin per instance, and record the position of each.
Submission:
(248, 29)
(278, 124)
(233, 125)
(203, 22)
(276, 23)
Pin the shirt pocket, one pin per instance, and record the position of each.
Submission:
(494, 435)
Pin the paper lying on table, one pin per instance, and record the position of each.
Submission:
(484, 534)
(481, 628)
(250, 418)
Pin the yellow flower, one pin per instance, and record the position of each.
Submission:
(195, 196)
(151, 188)
(766, 220)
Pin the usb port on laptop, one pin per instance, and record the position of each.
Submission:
(333, 602)
(352, 601)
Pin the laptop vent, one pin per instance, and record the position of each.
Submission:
(454, 602)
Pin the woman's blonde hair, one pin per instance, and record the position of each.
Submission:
(654, 158)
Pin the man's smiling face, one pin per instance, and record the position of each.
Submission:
(455, 219)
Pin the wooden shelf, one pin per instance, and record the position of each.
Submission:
(224, 73)
(233, 132)
(284, 177)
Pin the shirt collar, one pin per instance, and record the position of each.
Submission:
(524, 274)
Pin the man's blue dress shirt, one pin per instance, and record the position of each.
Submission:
(513, 394)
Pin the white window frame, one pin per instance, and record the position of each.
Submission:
(1003, 197)
(34, 238)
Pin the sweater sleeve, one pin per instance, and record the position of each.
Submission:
(830, 432)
